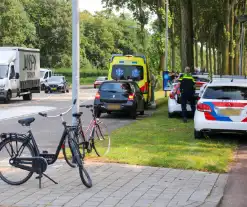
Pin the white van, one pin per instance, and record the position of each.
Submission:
(45, 74)
(19, 72)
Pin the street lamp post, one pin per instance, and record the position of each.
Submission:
(75, 56)
(242, 19)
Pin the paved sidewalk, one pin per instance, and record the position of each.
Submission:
(118, 185)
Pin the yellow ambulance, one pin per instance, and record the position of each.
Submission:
(134, 67)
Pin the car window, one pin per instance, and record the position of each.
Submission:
(116, 87)
(101, 79)
(225, 93)
(136, 87)
(124, 72)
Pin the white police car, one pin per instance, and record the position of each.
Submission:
(174, 100)
(222, 108)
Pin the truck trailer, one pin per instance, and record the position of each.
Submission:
(19, 72)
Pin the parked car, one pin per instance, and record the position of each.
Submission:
(124, 96)
(56, 83)
(222, 108)
(99, 81)
(174, 100)
(45, 74)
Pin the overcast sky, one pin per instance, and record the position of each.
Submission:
(91, 6)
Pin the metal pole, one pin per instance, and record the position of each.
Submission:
(75, 57)
(241, 49)
(167, 27)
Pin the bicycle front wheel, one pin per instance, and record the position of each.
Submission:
(85, 178)
(101, 141)
(11, 148)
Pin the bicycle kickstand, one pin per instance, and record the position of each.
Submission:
(50, 178)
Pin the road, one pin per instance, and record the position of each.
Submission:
(47, 132)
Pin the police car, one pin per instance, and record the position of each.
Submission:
(174, 100)
(222, 108)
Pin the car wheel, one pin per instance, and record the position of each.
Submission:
(8, 97)
(170, 115)
(67, 90)
(108, 112)
(64, 90)
(198, 134)
(94, 86)
(133, 114)
(27, 97)
(97, 114)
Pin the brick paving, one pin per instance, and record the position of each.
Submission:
(117, 185)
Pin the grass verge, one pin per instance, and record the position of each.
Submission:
(168, 143)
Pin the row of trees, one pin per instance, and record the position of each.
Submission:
(209, 26)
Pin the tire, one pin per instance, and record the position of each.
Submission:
(170, 115)
(46, 91)
(198, 134)
(86, 180)
(101, 139)
(29, 147)
(27, 97)
(67, 152)
(67, 90)
(8, 97)
(133, 114)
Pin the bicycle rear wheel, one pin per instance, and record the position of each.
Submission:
(85, 178)
(10, 148)
(101, 142)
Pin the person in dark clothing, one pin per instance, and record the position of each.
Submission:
(187, 88)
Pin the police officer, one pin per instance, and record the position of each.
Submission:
(187, 88)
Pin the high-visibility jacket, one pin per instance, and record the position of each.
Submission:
(187, 84)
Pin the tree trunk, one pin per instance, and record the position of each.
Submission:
(219, 61)
(196, 51)
(210, 57)
(237, 48)
(225, 43)
(187, 57)
(215, 61)
(231, 46)
(201, 54)
(207, 61)
(173, 45)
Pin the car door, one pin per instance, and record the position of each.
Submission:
(13, 81)
(139, 97)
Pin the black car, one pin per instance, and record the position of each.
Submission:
(123, 95)
(56, 83)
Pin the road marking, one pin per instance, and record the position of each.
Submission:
(22, 111)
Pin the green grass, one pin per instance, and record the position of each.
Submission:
(162, 142)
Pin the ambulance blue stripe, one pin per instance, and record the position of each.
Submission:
(216, 116)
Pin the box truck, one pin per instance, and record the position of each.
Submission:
(19, 72)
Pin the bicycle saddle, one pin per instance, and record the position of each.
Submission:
(77, 115)
(26, 122)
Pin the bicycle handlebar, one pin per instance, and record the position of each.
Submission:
(59, 115)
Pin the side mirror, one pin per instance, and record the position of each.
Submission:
(17, 75)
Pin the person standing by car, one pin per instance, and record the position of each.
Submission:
(187, 89)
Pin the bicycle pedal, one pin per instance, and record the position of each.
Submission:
(45, 152)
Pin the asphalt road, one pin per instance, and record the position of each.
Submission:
(48, 131)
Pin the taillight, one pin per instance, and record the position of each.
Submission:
(203, 107)
(172, 96)
(131, 97)
(97, 96)
(144, 89)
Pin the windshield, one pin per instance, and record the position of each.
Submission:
(56, 79)
(226, 93)
(124, 72)
(101, 79)
(115, 87)
(3, 71)
(42, 73)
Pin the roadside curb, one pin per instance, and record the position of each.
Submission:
(84, 87)
(216, 195)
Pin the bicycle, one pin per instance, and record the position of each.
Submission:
(37, 162)
(96, 132)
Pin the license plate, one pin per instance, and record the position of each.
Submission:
(113, 107)
(53, 89)
(230, 112)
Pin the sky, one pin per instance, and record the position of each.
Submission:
(92, 5)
